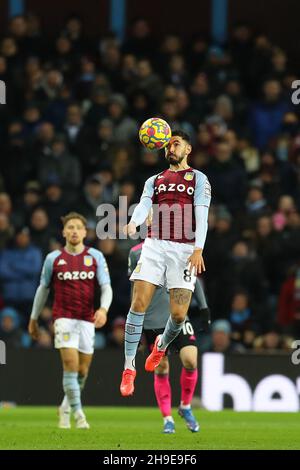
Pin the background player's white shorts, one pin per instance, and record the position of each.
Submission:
(77, 334)
(164, 263)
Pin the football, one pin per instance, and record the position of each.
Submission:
(155, 133)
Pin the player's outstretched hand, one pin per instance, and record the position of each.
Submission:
(33, 329)
(129, 229)
(196, 262)
(100, 317)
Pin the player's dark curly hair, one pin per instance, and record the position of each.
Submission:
(182, 134)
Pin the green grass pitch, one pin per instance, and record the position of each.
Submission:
(140, 428)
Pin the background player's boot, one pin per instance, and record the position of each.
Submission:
(127, 384)
(169, 427)
(64, 418)
(80, 419)
(154, 357)
(189, 418)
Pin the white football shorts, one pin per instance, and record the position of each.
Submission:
(77, 334)
(165, 263)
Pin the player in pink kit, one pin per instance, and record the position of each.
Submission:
(74, 273)
(171, 255)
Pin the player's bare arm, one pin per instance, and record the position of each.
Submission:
(100, 317)
(196, 262)
(33, 329)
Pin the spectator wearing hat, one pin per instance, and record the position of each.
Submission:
(10, 329)
(61, 165)
(221, 341)
(243, 319)
(20, 268)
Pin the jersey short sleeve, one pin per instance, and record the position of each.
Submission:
(103, 276)
(202, 196)
(47, 270)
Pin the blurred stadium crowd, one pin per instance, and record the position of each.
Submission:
(69, 142)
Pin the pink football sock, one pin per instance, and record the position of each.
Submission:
(188, 381)
(162, 390)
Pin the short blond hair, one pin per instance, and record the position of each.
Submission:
(73, 215)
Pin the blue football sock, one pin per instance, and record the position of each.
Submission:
(72, 390)
(133, 333)
(171, 331)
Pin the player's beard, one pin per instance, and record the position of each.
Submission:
(175, 161)
(75, 241)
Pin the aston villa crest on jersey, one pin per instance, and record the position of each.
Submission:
(88, 261)
(189, 176)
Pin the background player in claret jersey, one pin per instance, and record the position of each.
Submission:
(171, 254)
(74, 273)
(156, 317)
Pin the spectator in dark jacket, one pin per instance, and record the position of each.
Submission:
(10, 329)
(61, 165)
(20, 268)
(227, 177)
(40, 230)
(266, 116)
(242, 270)
(221, 341)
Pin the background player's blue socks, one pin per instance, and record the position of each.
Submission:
(172, 329)
(72, 390)
(133, 333)
(81, 380)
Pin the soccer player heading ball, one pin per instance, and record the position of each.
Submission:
(172, 253)
(73, 273)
